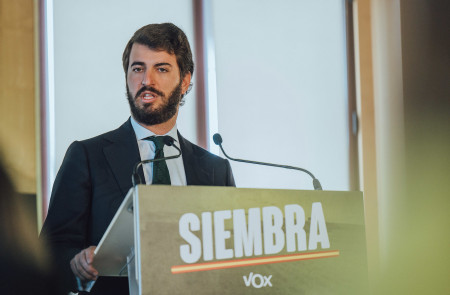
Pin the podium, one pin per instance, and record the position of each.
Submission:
(225, 240)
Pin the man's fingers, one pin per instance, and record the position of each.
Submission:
(78, 270)
(81, 265)
(89, 254)
(74, 268)
(89, 258)
(86, 269)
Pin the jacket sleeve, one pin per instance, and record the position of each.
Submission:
(65, 228)
(229, 175)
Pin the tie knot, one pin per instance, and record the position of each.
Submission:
(157, 140)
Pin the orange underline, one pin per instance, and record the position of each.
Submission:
(176, 269)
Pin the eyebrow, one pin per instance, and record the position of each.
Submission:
(163, 64)
(140, 63)
(137, 63)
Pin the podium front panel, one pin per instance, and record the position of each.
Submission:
(222, 240)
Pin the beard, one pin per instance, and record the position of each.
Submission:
(149, 116)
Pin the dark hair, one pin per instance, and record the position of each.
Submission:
(167, 37)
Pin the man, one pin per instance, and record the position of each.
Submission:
(96, 173)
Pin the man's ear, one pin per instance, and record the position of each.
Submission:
(185, 83)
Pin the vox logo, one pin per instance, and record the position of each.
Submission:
(257, 280)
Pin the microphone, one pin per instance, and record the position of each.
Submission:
(218, 141)
(169, 141)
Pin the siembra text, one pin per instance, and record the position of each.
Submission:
(254, 237)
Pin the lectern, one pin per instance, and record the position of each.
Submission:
(224, 240)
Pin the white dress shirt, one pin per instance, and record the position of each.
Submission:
(147, 151)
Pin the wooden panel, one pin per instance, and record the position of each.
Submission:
(17, 92)
(164, 271)
(366, 114)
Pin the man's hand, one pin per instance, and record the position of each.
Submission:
(81, 265)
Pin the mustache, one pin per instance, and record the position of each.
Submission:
(149, 88)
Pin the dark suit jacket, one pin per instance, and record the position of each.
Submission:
(91, 184)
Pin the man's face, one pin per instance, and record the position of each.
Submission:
(154, 86)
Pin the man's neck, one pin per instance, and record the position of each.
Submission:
(161, 129)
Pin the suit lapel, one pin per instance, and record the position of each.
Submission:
(122, 155)
(196, 169)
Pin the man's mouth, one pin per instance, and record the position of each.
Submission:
(148, 94)
(148, 97)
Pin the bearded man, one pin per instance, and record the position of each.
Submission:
(96, 173)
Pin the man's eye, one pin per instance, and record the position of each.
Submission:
(137, 70)
(162, 70)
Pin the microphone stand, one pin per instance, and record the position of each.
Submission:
(136, 178)
(218, 141)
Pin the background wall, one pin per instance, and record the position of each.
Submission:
(17, 92)
(404, 64)
(418, 242)
(282, 90)
(89, 39)
(281, 77)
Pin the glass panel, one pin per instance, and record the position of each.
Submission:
(282, 90)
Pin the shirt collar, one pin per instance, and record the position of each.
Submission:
(142, 132)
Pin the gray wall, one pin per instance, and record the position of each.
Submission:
(89, 39)
(281, 81)
(282, 90)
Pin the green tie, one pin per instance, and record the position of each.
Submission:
(160, 171)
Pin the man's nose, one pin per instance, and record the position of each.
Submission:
(147, 79)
